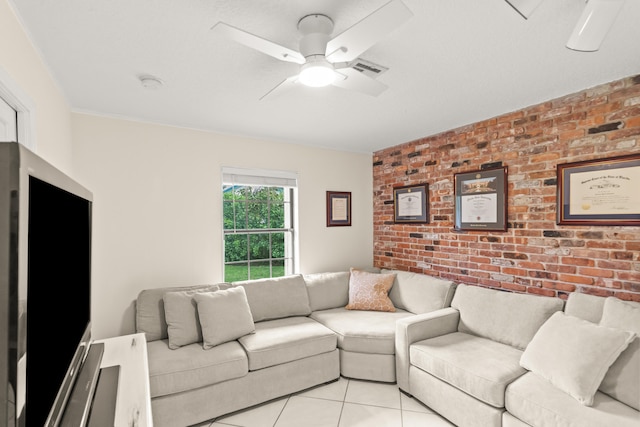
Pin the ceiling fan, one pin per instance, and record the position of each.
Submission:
(593, 25)
(325, 60)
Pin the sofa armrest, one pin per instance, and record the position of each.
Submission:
(417, 328)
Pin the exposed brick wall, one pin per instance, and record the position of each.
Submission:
(534, 255)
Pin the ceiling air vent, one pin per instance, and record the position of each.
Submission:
(368, 68)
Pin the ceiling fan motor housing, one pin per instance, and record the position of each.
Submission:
(316, 30)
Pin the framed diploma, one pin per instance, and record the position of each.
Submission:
(411, 204)
(481, 200)
(338, 208)
(600, 192)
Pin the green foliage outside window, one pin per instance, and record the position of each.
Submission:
(248, 210)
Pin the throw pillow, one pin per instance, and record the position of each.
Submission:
(183, 326)
(622, 381)
(573, 354)
(150, 311)
(370, 291)
(224, 316)
(181, 316)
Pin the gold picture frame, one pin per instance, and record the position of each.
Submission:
(599, 192)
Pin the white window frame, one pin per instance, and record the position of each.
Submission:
(275, 178)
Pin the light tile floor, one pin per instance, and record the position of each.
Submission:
(344, 403)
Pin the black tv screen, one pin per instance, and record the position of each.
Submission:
(58, 292)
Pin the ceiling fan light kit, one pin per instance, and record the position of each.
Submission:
(316, 30)
(595, 22)
(317, 72)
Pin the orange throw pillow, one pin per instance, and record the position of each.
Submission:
(370, 291)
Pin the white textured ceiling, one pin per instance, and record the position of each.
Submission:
(453, 63)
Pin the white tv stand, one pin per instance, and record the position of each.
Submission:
(133, 401)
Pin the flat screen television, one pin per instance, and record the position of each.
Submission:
(45, 287)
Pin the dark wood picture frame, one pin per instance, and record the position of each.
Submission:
(411, 204)
(338, 208)
(481, 200)
(599, 192)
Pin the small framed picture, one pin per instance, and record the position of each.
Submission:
(411, 204)
(599, 192)
(338, 208)
(481, 200)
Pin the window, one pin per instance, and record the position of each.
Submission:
(258, 223)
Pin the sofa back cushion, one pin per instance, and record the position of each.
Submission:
(622, 381)
(420, 293)
(585, 306)
(277, 297)
(150, 310)
(327, 290)
(505, 317)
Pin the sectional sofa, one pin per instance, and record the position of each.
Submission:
(477, 356)
(211, 352)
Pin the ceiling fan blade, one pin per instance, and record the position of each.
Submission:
(283, 86)
(524, 7)
(348, 45)
(258, 43)
(594, 24)
(355, 80)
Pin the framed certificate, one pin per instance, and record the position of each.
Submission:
(481, 200)
(338, 208)
(411, 204)
(600, 192)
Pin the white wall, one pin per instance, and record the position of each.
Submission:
(20, 61)
(157, 207)
(157, 195)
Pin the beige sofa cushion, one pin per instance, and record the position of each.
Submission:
(150, 309)
(538, 403)
(574, 354)
(362, 331)
(622, 381)
(181, 314)
(224, 315)
(283, 340)
(585, 306)
(327, 290)
(277, 297)
(478, 366)
(505, 317)
(420, 293)
(191, 367)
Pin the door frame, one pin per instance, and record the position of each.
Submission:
(13, 94)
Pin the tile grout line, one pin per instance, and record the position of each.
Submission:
(282, 410)
(401, 409)
(344, 398)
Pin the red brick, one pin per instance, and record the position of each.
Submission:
(541, 291)
(632, 122)
(595, 272)
(530, 142)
